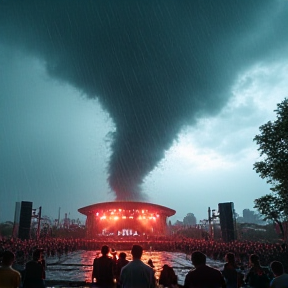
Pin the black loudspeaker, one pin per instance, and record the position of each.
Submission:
(25, 220)
(227, 221)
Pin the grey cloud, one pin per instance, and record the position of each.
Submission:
(154, 65)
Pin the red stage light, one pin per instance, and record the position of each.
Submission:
(126, 218)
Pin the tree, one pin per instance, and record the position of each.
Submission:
(273, 147)
(6, 229)
(189, 220)
(273, 207)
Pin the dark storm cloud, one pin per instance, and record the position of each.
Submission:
(154, 65)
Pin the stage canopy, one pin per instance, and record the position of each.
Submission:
(126, 218)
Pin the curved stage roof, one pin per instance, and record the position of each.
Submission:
(127, 205)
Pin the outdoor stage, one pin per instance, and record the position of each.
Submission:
(126, 218)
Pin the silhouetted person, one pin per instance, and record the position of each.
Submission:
(258, 276)
(150, 263)
(34, 271)
(230, 273)
(43, 263)
(103, 269)
(281, 278)
(203, 276)
(137, 274)
(122, 261)
(9, 278)
(167, 277)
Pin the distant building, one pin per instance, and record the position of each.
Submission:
(189, 220)
(250, 217)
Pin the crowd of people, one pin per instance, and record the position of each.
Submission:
(34, 271)
(215, 250)
(238, 256)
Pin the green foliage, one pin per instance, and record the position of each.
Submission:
(255, 233)
(273, 207)
(69, 233)
(273, 147)
(193, 233)
(6, 229)
(189, 219)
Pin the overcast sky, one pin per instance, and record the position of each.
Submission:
(154, 101)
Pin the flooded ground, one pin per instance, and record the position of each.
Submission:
(77, 266)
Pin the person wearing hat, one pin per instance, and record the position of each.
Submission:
(34, 271)
(9, 278)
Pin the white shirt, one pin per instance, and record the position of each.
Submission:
(280, 281)
(137, 274)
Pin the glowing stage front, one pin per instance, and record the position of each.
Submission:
(126, 218)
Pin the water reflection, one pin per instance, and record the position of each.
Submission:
(77, 266)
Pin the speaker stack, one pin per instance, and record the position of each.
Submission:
(25, 220)
(227, 221)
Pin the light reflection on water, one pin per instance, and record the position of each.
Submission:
(77, 266)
